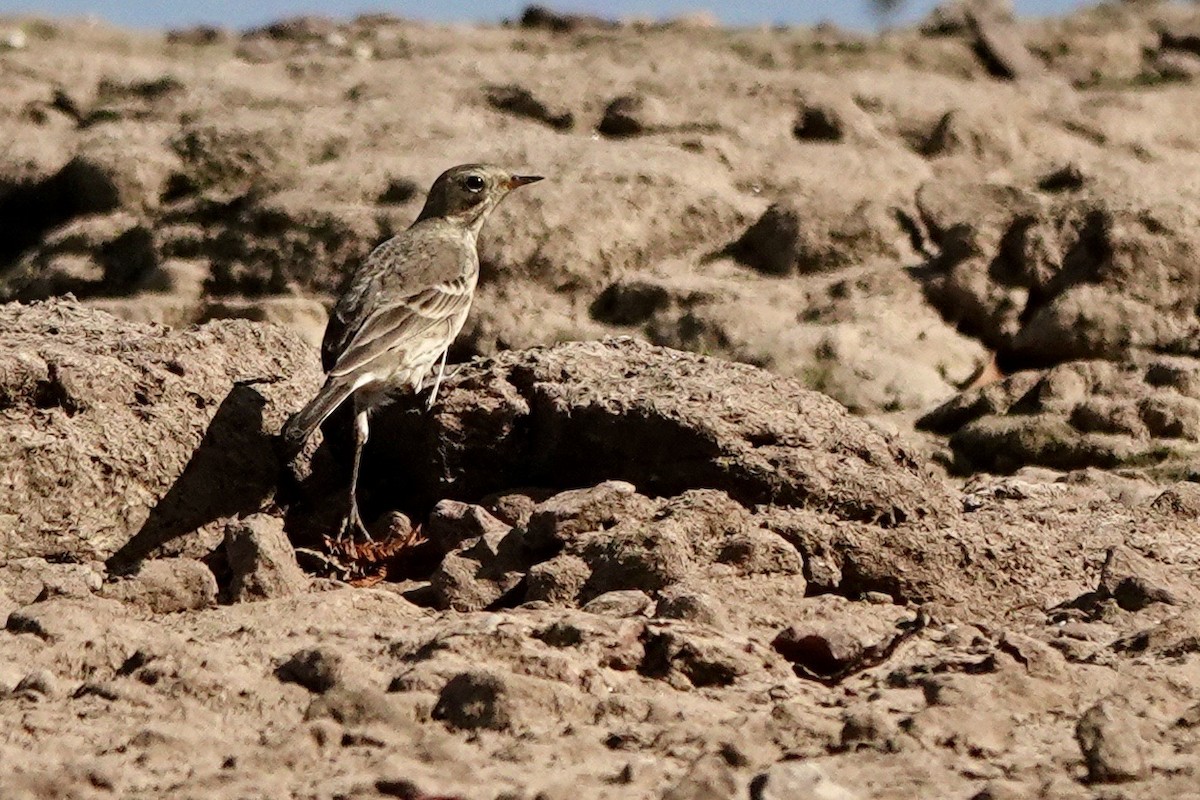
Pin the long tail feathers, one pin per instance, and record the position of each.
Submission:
(302, 424)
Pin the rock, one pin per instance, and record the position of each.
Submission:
(1068, 178)
(792, 236)
(1051, 278)
(198, 36)
(866, 728)
(1113, 749)
(633, 300)
(29, 580)
(795, 779)
(758, 551)
(953, 17)
(355, 707)
(1182, 500)
(482, 570)
(679, 603)
(41, 683)
(321, 669)
(684, 658)
(567, 515)
(196, 407)
(710, 777)
(634, 115)
(1177, 636)
(656, 548)
(1175, 65)
(305, 28)
(66, 619)
(1181, 34)
(1076, 415)
(998, 44)
(519, 101)
(399, 191)
(452, 525)
(269, 245)
(838, 640)
(475, 700)
(515, 507)
(166, 586)
(603, 414)
(1134, 581)
(262, 560)
(818, 124)
(827, 117)
(623, 603)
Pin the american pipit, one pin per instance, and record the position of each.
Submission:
(402, 309)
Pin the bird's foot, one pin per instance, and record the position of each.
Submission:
(354, 526)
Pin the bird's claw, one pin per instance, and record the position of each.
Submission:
(354, 525)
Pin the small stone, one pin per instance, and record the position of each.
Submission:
(474, 700)
(316, 669)
(709, 778)
(632, 115)
(483, 571)
(999, 46)
(452, 523)
(690, 606)
(621, 603)
(683, 659)
(41, 682)
(790, 780)
(1112, 747)
(1134, 581)
(818, 124)
(166, 586)
(262, 560)
(569, 514)
(354, 706)
(13, 40)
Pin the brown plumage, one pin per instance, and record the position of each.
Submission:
(403, 308)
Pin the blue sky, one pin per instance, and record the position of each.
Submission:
(244, 13)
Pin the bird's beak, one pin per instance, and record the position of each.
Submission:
(522, 180)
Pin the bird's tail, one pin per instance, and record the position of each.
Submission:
(302, 424)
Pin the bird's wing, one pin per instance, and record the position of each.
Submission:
(408, 286)
(422, 319)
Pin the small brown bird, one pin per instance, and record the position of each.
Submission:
(403, 308)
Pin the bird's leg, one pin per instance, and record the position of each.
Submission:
(361, 432)
(437, 381)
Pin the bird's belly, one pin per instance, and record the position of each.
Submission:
(410, 370)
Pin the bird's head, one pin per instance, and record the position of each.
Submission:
(465, 194)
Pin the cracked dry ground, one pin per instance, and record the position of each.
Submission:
(778, 599)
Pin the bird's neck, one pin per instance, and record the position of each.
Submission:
(460, 224)
(470, 221)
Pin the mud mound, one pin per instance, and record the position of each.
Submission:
(664, 420)
(102, 417)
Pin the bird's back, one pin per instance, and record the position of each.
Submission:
(429, 253)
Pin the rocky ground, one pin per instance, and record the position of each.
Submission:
(831, 425)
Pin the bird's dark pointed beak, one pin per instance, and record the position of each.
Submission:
(522, 180)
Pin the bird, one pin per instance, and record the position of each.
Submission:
(401, 310)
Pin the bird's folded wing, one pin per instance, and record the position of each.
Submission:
(422, 320)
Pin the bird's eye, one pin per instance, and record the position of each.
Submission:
(474, 183)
